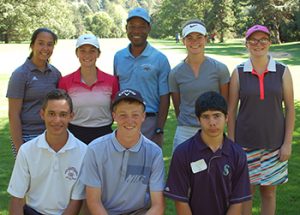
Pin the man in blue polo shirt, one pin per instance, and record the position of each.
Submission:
(145, 69)
(208, 172)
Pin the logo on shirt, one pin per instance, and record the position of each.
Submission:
(146, 67)
(34, 78)
(71, 173)
(132, 179)
(226, 170)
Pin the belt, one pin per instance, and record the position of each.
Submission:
(150, 114)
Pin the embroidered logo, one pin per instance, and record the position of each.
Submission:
(191, 26)
(146, 67)
(71, 173)
(226, 170)
(127, 92)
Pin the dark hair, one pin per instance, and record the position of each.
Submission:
(36, 33)
(57, 94)
(210, 101)
(192, 21)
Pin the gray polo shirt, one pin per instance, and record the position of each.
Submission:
(182, 80)
(30, 84)
(126, 176)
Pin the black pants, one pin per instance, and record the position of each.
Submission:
(88, 134)
(30, 211)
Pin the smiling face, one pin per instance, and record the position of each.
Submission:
(258, 44)
(57, 115)
(195, 43)
(137, 31)
(42, 47)
(87, 55)
(129, 117)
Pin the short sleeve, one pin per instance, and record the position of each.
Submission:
(78, 192)
(115, 73)
(163, 76)
(224, 74)
(62, 84)
(115, 87)
(90, 174)
(173, 85)
(16, 85)
(240, 181)
(17, 187)
(178, 186)
(157, 174)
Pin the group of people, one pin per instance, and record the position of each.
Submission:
(67, 153)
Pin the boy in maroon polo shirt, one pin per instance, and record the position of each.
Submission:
(208, 172)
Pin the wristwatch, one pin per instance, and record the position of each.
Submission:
(159, 131)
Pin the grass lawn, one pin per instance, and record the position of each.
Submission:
(288, 198)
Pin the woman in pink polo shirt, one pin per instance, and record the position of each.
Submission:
(261, 125)
(92, 92)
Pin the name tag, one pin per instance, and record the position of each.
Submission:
(198, 166)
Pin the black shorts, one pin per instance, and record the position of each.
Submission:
(88, 134)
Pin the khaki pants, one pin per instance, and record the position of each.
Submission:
(148, 129)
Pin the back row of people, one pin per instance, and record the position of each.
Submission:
(198, 73)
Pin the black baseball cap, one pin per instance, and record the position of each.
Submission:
(128, 94)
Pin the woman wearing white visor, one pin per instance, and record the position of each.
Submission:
(195, 75)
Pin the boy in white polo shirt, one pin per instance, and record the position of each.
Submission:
(47, 167)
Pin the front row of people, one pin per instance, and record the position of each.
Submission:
(123, 172)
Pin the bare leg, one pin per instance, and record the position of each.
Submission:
(247, 206)
(268, 200)
(84, 209)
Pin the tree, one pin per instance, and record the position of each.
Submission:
(100, 24)
(275, 14)
(220, 18)
(19, 18)
(13, 22)
(169, 17)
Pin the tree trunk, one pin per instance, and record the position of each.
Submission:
(276, 31)
(6, 38)
(222, 36)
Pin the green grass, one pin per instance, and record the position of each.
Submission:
(292, 49)
(288, 196)
(236, 48)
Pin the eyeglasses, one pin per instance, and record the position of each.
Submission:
(262, 41)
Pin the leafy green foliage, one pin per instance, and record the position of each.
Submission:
(71, 18)
(229, 18)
